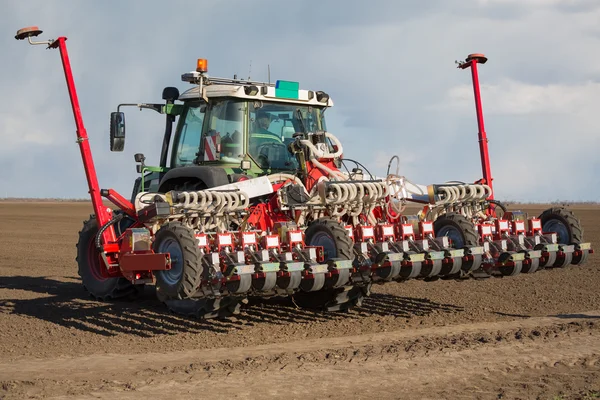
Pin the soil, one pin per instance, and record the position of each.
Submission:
(530, 336)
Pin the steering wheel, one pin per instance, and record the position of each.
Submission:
(262, 150)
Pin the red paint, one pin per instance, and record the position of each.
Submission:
(483, 141)
(121, 202)
(103, 214)
(263, 216)
(314, 173)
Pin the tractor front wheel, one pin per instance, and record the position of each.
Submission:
(90, 268)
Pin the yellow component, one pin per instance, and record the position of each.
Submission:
(202, 65)
(169, 197)
(431, 194)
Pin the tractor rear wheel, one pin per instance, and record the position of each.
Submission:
(462, 234)
(458, 229)
(183, 279)
(564, 223)
(333, 237)
(90, 268)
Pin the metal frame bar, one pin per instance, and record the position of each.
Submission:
(472, 62)
(150, 169)
(103, 214)
(227, 81)
(120, 202)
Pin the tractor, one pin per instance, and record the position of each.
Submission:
(253, 197)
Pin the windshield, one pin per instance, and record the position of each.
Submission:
(229, 129)
(272, 127)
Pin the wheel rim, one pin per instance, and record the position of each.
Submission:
(172, 247)
(453, 234)
(557, 226)
(324, 240)
(93, 260)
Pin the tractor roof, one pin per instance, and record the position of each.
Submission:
(281, 91)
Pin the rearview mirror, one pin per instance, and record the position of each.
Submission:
(117, 131)
(170, 94)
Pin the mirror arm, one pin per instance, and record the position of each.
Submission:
(156, 107)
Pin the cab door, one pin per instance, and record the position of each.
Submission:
(189, 132)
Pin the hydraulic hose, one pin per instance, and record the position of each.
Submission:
(104, 227)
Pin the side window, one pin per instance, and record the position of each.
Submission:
(187, 140)
(224, 139)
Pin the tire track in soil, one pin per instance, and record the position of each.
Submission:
(488, 359)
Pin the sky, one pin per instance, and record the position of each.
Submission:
(389, 67)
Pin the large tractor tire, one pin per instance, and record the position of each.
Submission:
(332, 236)
(336, 243)
(177, 286)
(564, 223)
(89, 268)
(568, 230)
(458, 229)
(462, 234)
(183, 279)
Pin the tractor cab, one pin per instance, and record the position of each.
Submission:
(228, 128)
(230, 122)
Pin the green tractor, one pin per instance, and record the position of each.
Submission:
(228, 130)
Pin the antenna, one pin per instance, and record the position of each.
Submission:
(269, 73)
(29, 32)
(250, 70)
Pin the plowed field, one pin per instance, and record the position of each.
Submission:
(530, 336)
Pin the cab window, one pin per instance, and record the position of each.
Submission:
(187, 140)
(272, 127)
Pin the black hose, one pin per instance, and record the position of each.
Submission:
(360, 165)
(104, 227)
(390, 163)
(498, 204)
(346, 167)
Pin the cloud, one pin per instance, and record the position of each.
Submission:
(543, 138)
(388, 67)
(519, 98)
